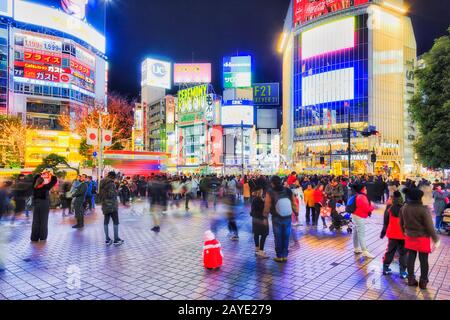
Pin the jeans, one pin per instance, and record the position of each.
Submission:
(281, 233)
(423, 258)
(438, 222)
(259, 241)
(309, 214)
(359, 233)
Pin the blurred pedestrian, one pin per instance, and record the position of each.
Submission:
(79, 197)
(110, 207)
(42, 185)
(260, 223)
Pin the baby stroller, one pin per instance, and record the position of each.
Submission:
(341, 219)
(445, 224)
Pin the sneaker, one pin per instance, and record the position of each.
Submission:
(358, 251)
(280, 260)
(262, 254)
(403, 274)
(367, 254)
(156, 229)
(423, 284)
(118, 242)
(234, 238)
(109, 242)
(412, 282)
(386, 270)
(284, 259)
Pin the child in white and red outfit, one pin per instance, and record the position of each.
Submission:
(212, 252)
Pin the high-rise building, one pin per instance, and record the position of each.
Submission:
(348, 62)
(52, 62)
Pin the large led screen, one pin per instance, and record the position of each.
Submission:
(330, 86)
(192, 73)
(44, 16)
(267, 118)
(307, 10)
(329, 37)
(237, 72)
(234, 115)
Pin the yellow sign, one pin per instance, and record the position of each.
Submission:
(337, 169)
(192, 99)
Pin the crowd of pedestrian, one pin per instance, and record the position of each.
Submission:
(407, 221)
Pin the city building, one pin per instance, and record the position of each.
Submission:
(52, 62)
(348, 64)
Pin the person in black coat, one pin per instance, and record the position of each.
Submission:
(42, 185)
(78, 200)
(260, 223)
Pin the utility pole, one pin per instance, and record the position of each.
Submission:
(242, 146)
(100, 149)
(349, 145)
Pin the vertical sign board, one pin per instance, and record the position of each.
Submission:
(266, 94)
(237, 72)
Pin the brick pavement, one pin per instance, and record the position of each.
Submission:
(168, 265)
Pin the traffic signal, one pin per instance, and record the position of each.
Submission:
(322, 160)
(373, 158)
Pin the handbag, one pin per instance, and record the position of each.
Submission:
(68, 194)
(325, 211)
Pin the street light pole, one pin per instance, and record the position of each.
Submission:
(349, 145)
(242, 146)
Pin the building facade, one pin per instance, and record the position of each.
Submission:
(347, 64)
(52, 63)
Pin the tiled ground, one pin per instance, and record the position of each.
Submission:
(168, 265)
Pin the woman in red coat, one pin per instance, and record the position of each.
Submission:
(212, 252)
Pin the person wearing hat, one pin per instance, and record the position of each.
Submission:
(392, 229)
(110, 207)
(362, 212)
(417, 225)
(42, 185)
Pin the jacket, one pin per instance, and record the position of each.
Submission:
(43, 192)
(318, 197)
(309, 197)
(391, 222)
(80, 194)
(439, 202)
(108, 196)
(363, 206)
(415, 221)
(334, 193)
(271, 198)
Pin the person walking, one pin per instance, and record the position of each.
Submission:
(393, 231)
(230, 202)
(246, 190)
(319, 202)
(280, 202)
(362, 212)
(260, 223)
(124, 192)
(41, 204)
(110, 207)
(417, 225)
(440, 203)
(65, 197)
(309, 203)
(78, 201)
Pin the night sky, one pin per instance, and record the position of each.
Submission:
(207, 30)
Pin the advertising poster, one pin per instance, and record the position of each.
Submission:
(237, 72)
(156, 73)
(306, 10)
(266, 94)
(192, 73)
(216, 144)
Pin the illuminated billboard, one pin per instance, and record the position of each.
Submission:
(156, 73)
(330, 86)
(6, 8)
(43, 16)
(42, 57)
(237, 72)
(330, 37)
(306, 10)
(192, 73)
(265, 94)
(235, 115)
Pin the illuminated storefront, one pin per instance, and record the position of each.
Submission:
(57, 65)
(346, 62)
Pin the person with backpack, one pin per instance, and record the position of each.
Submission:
(260, 223)
(280, 202)
(392, 229)
(110, 207)
(359, 206)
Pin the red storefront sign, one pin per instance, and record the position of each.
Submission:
(79, 67)
(216, 144)
(43, 58)
(306, 10)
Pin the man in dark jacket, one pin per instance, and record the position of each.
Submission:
(78, 200)
(110, 207)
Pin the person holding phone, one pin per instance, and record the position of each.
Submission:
(42, 185)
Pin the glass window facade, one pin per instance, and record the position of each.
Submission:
(330, 77)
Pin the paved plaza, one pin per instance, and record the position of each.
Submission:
(76, 264)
